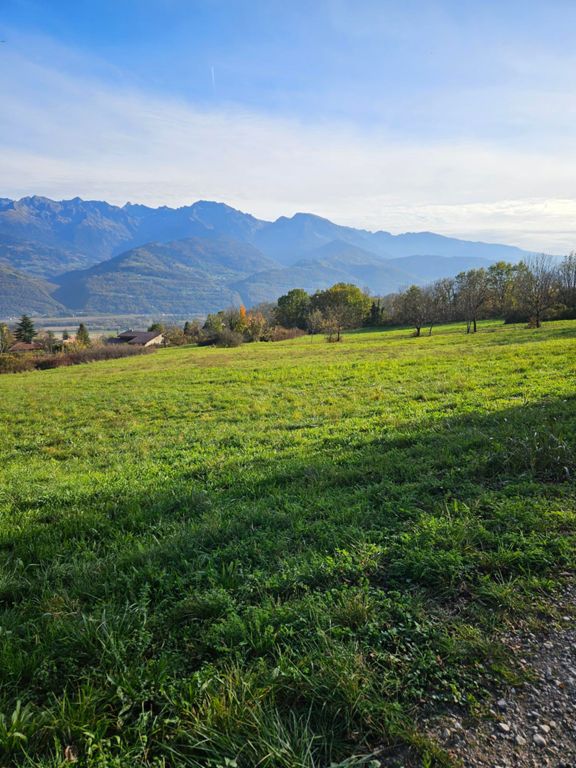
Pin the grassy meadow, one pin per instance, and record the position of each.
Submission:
(278, 555)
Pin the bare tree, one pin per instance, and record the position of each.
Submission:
(536, 287)
(472, 293)
(567, 280)
(442, 296)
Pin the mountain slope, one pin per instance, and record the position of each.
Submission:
(288, 239)
(334, 262)
(39, 260)
(21, 293)
(418, 243)
(430, 267)
(132, 258)
(185, 276)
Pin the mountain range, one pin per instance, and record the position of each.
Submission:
(91, 256)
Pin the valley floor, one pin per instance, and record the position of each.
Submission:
(289, 555)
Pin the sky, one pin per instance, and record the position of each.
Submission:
(455, 116)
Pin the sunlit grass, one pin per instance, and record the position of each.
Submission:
(277, 554)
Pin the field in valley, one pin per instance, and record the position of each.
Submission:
(277, 555)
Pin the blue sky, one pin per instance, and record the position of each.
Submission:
(406, 115)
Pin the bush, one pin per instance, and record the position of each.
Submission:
(228, 338)
(279, 333)
(105, 352)
(17, 363)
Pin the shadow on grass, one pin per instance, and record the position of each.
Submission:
(292, 612)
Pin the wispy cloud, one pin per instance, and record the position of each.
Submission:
(64, 134)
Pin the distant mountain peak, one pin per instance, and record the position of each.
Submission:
(91, 246)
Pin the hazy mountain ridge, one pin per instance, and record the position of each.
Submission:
(169, 277)
(201, 257)
(20, 292)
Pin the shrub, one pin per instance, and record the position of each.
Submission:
(279, 333)
(228, 338)
(17, 363)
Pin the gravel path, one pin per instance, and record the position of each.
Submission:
(532, 725)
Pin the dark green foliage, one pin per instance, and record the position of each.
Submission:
(82, 336)
(293, 307)
(25, 330)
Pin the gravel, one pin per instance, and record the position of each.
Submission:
(531, 725)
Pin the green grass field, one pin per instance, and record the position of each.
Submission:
(278, 555)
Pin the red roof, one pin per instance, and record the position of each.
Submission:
(25, 346)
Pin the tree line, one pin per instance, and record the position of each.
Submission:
(530, 291)
(25, 331)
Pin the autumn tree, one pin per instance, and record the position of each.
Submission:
(174, 336)
(256, 326)
(48, 341)
(443, 297)
(214, 324)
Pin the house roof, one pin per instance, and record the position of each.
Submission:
(136, 337)
(25, 346)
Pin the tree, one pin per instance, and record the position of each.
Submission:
(256, 326)
(156, 327)
(174, 336)
(214, 324)
(413, 308)
(314, 322)
(343, 306)
(536, 287)
(375, 316)
(292, 309)
(567, 280)
(6, 338)
(267, 309)
(472, 293)
(82, 336)
(48, 341)
(25, 330)
(500, 279)
(444, 300)
(192, 330)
